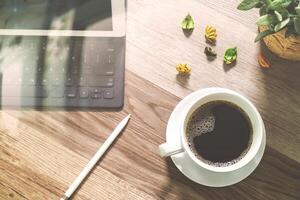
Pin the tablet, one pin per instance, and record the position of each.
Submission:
(62, 53)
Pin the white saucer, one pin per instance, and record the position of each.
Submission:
(188, 167)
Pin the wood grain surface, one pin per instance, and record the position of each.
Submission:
(41, 152)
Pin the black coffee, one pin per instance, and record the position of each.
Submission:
(219, 133)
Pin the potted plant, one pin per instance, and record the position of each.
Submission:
(279, 25)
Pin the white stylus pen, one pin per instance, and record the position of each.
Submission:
(95, 158)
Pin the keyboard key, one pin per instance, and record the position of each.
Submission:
(83, 81)
(36, 58)
(95, 90)
(71, 92)
(83, 92)
(25, 91)
(11, 91)
(74, 69)
(96, 95)
(104, 69)
(98, 59)
(87, 69)
(101, 81)
(39, 69)
(111, 59)
(85, 59)
(51, 70)
(32, 45)
(60, 70)
(56, 81)
(110, 49)
(44, 81)
(28, 91)
(71, 81)
(109, 73)
(19, 81)
(108, 94)
(39, 92)
(29, 80)
(28, 69)
(7, 80)
(57, 92)
(108, 56)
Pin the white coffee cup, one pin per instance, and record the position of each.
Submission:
(169, 149)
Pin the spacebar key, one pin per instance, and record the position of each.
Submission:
(14, 91)
(101, 81)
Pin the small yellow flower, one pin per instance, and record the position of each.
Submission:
(183, 69)
(211, 34)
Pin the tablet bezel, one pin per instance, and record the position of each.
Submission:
(118, 21)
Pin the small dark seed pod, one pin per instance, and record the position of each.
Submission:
(209, 51)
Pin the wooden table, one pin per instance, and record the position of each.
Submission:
(43, 151)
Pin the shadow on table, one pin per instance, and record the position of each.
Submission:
(183, 80)
(276, 177)
(279, 101)
(187, 33)
(180, 187)
(228, 67)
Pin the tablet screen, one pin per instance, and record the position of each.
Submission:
(77, 15)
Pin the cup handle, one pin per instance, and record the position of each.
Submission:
(166, 150)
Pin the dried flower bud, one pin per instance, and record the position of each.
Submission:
(210, 34)
(210, 52)
(183, 69)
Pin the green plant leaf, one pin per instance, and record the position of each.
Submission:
(259, 4)
(247, 4)
(263, 10)
(271, 27)
(297, 24)
(263, 34)
(266, 19)
(278, 15)
(281, 25)
(286, 3)
(279, 4)
(188, 23)
(275, 4)
(275, 15)
(297, 9)
(284, 13)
